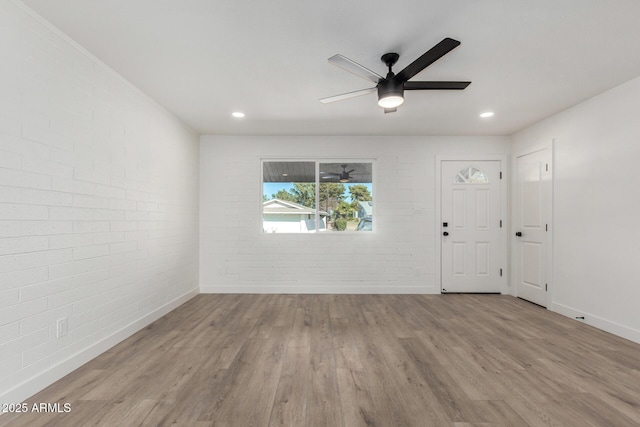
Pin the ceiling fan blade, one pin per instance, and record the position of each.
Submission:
(355, 68)
(327, 175)
(348, 95)
(352, 170)
(427, 58)
(390, 110)
(435, 85)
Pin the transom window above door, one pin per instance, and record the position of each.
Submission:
(471, 175)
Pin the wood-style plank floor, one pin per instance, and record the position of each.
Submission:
(354, 360)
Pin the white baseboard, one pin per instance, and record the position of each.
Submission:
(598, 322)
(275, 289)
(44, 379)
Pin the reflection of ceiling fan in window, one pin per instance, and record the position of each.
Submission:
(343, 176)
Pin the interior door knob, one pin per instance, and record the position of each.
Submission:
(446, 233)
(519, 233)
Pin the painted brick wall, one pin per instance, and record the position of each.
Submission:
(399, 257)
(98, 205)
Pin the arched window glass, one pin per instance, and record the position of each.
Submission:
(471, 175)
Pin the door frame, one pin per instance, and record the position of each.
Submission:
(504, 212)
(515, 271)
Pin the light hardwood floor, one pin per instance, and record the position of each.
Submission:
(354, 360)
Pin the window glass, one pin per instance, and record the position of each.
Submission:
(289, 198)
(297, 200)
(346, 194)
(471, 175)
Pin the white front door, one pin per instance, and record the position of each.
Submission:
(531, 222)
(470, 215)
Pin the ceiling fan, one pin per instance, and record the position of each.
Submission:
(391, 88)
(343, 176)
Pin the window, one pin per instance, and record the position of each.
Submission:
(312, 196)
(471, 175)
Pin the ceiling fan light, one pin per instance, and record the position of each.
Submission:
(390, 101)
(343, 180)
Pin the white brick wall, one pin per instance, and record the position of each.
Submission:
(399, 257)
(98, 204)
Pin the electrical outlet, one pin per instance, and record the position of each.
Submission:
(62, 327)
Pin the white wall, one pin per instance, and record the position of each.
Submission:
(399, 257)
(98, 206)
(596, 205)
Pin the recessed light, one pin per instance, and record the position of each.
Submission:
(486, 114)
(237, 114)
(285, 174)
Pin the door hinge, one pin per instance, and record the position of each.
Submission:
(546, 227)
(500, 223)
(500, 272)
(546, 167)
(500, 174)
(546, 287)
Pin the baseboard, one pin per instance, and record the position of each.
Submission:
(44, 379)
(320, 289)
(598, 322)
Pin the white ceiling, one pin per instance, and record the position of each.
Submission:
(203, 59)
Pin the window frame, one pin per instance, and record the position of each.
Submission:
(317, 161)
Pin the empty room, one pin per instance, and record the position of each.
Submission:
(337, 213)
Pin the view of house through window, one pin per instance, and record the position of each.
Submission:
(309, 196)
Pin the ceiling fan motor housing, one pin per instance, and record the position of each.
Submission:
(390, 87)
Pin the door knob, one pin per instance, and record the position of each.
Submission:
(446, 233)
(518, 233)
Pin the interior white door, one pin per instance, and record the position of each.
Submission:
(470, 213)
(531, 222)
